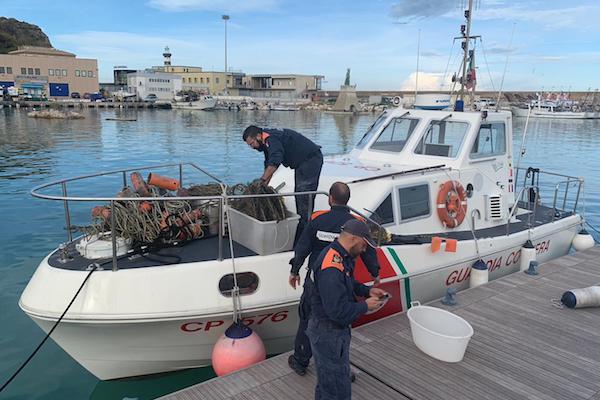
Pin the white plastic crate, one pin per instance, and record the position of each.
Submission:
(263, 237)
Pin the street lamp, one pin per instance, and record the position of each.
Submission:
(225, 18)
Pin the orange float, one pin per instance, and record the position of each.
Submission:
(239, 347)
(452, 204)
(163, 182)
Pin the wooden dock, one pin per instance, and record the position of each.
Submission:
(524, 347)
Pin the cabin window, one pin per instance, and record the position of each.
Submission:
(491, 140)
(384, 214)
(442, 139)
(371, 131)
(414, 201)
(395, 135)
(247, 282)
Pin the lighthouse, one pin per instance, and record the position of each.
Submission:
(167, 56)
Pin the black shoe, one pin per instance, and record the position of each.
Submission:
(352, 377)
(299, 369)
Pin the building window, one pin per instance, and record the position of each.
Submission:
(202, 80)
(217, 80)
(9, 70)
(414, 201)
(37, 71)
(278, 83)
(77, 73)
(51, 72)
(195, 80)
(57, 72)
(23, 71)
(207, 80)
(64, 72)
(228, 81)
(29, 71)
(83, 73)
(1, 70)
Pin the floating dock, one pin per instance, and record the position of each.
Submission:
(524, 347)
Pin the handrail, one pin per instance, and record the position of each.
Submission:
(516, 206)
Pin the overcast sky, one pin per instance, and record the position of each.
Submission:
(556, 44)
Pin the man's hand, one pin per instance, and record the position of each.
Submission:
(376, 292)
(294, 280)
(376, 281)
(373, 303)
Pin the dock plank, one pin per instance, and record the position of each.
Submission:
(524, 347)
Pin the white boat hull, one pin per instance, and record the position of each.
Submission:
(207, 104)
(133, 322)
(536, 113)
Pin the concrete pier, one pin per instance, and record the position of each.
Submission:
(524, 347)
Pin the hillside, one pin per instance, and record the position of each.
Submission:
(15, 33)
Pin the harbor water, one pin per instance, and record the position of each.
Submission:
(34, 151)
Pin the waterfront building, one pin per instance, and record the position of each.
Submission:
(281, 86)
(47, 72)
(164, 86)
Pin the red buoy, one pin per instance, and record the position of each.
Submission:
(239, 347)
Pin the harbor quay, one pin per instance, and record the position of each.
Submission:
(524, 346)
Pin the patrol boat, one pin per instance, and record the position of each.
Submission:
(443, 184)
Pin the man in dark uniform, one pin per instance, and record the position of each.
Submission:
(335, 307)
(322, 229)
(288, 147)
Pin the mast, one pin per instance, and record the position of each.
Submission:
(465, 46)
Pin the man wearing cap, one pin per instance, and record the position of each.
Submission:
(335, 308)
(322, 229)
(293, 150)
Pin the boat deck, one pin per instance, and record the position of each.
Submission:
(523, 347)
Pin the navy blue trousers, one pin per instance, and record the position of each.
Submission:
(306, 179)
(302, 350)
(331, 349)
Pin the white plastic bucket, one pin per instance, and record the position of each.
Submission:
(439, 333)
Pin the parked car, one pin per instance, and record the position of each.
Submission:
(96, 96)
(151, 98)
(75, 95)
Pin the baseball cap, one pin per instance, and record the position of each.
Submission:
(358, 228)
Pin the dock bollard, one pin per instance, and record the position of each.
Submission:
(450, 297)
(532, 270)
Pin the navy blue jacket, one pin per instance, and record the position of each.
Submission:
(287, 147)
(335, 288)
(322, 229)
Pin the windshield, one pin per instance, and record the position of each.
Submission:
(442, 138)
(395, 135)
(372, 130)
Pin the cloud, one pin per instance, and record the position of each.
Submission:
(213, 5)
(415, 9)
(427, 81)
(557, 18)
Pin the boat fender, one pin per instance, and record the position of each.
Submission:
(597, 108)
(163, 182)
(580, 298)
(575, 108)
(237, 348)
(527, 255)
(479, 274)
(583, 241)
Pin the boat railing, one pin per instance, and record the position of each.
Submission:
(532, 212)
(565, 190)
(222, 200)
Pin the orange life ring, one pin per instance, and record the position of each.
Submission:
(452, 204)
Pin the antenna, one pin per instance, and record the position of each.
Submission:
(505, 66)
(465, 45)
(418, 53)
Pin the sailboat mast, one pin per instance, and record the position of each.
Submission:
(467, 37)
